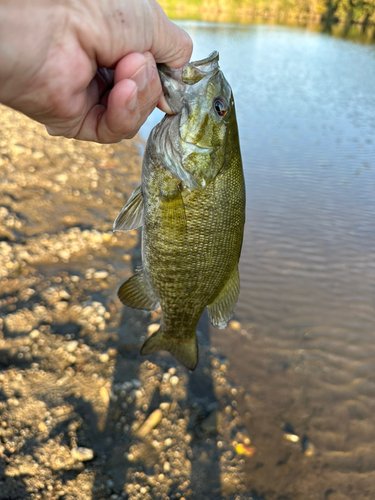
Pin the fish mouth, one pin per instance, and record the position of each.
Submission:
(175, 82)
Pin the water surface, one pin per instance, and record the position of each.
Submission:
(306, 113)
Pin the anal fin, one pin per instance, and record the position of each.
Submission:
(137, 293)
(222, 308)
(131, 216)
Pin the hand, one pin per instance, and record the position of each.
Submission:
(87, 68)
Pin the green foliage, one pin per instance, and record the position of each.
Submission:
(329, 11)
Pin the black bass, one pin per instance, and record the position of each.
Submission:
(191, 204)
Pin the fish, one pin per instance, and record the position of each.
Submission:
(191, 206)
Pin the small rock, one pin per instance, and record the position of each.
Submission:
(210, 423)
(89, 273)
(64, 295)
(151, 422)
(164, 406)
(307, 447)
(293, 438)
(174, 380)
(100, 275)
(235, 325)
(72, 345)
(42, 427)
(112, 353)
(104, 358)
(289, 433)
(82, 454)
(34, 334)
(243, 449)
(166, 466)
(168, 442)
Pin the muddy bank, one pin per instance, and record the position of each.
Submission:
(82, 414)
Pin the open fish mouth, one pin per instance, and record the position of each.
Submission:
(175, 82)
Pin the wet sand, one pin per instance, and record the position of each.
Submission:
(74, 391)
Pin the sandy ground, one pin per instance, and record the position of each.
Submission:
(82, 414)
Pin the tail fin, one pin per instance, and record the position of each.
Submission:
(185, 351)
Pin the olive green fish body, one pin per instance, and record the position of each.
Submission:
(193, 218)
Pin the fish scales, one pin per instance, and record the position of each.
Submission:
(192, 213)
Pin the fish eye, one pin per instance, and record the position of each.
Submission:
(220, 106)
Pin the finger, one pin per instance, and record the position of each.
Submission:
(164, 106)
(129, 103)
(171, 44)
(95, 126)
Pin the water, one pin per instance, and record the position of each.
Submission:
(306, 113)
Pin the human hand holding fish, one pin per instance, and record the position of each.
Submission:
(191, 205)
(86, 68)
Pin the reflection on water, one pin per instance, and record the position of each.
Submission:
(306, 112)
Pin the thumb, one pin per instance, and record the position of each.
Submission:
(171, 44)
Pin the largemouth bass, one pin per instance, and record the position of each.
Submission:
(191, 204)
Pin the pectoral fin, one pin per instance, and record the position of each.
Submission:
(137, 293)
(185, 351)
(131, 216)
(222, 308)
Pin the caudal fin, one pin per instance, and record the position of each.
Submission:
(185, 351)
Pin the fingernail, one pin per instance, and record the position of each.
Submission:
(151, 68)
(132, 102)
(140, 78)
(164, 106)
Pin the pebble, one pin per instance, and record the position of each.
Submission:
(308, 448)
(243, 449)
(174, 380)
(293, 438)
(82, 454)
(166, 466)
(42, 427)
(164, 406)
(289, 433)
(72, 345)
(100, 275)
(34, 334)
(151, 422)
(168, 442)
(64, 295)
(104, 358)
(235, 325)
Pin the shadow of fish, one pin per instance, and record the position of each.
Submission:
(191, 204)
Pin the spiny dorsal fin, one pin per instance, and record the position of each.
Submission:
(222, 308)
(137, 293)
(131, 216)
(185, 351)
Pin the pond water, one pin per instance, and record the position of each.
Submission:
(306, 356)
